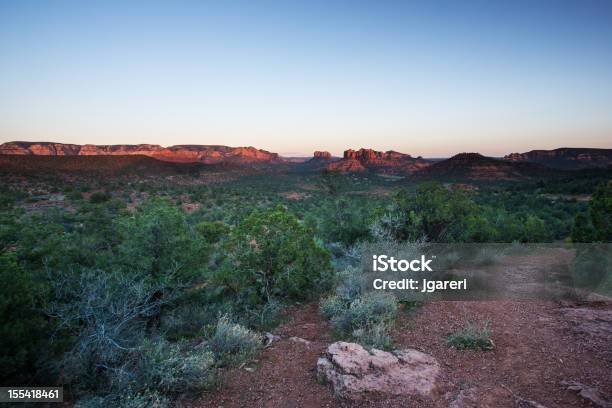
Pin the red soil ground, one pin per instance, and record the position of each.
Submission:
(537, 347)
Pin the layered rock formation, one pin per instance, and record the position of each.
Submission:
(372, 157)
(322, 155)
(347, 165)
(320, 158)
(353, 371)
(566, 158)
(387, 162)
(179, 153)
(41, 148)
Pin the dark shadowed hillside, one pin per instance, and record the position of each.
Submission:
(475, 166)
(566, 158)
(107, 165)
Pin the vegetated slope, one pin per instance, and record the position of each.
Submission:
(566, 158)
(474, 166)
(179, 153)
(107, 165)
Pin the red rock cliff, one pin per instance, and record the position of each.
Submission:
(566, 158)
(179, 153)
(389, 161)
(322, 155)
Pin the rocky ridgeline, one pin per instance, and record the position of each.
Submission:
(537, 163)
(475, 166)
(179, 153)
(566, 158)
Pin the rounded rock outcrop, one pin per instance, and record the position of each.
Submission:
(354, 371)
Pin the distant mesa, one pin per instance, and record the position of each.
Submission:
(321, 158)
(567, 158)
(322, 155)
(209, 154)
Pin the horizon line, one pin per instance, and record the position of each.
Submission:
(296, 155)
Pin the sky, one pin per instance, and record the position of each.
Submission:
(429, 78)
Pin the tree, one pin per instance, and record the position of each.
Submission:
(272, 255)
(534, 229)
(21, 324)
(331, 181)
(435, 213)
(582, 230)
(595, 224)
(158, 240)
(600, 209)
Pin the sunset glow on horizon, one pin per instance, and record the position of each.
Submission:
(425, 78)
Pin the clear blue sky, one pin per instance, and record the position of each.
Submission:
(427, 78)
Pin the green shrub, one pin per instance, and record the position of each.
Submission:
(21, 326)
(74, 195)
(260, 317)
(99, 197)
(332, 306)
(595, 224)
(271, 255)
(145, 399)
(436, 213)
(188, 319)
(365, 311)
(232, 343)
(158, 239)
(350, 285)
(212, 231)
(366, 319)
(92, 402)
(488, 256)
(472, 336)
(375, 335)
(129, 399)
(165, 368)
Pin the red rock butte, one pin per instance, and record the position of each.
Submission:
(359, 160)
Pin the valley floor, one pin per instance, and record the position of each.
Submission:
(538, 347)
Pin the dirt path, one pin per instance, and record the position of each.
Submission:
(537, 347)
(284, 375)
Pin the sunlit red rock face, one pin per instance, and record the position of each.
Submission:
(320, 159)
(566, 158)
(123, 150)
(347, 165)
(387, 162)
(322, 155)
(180, 153)
(42, 148)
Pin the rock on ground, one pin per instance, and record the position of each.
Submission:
(353, 371)
(590, 394)
(596, 323)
